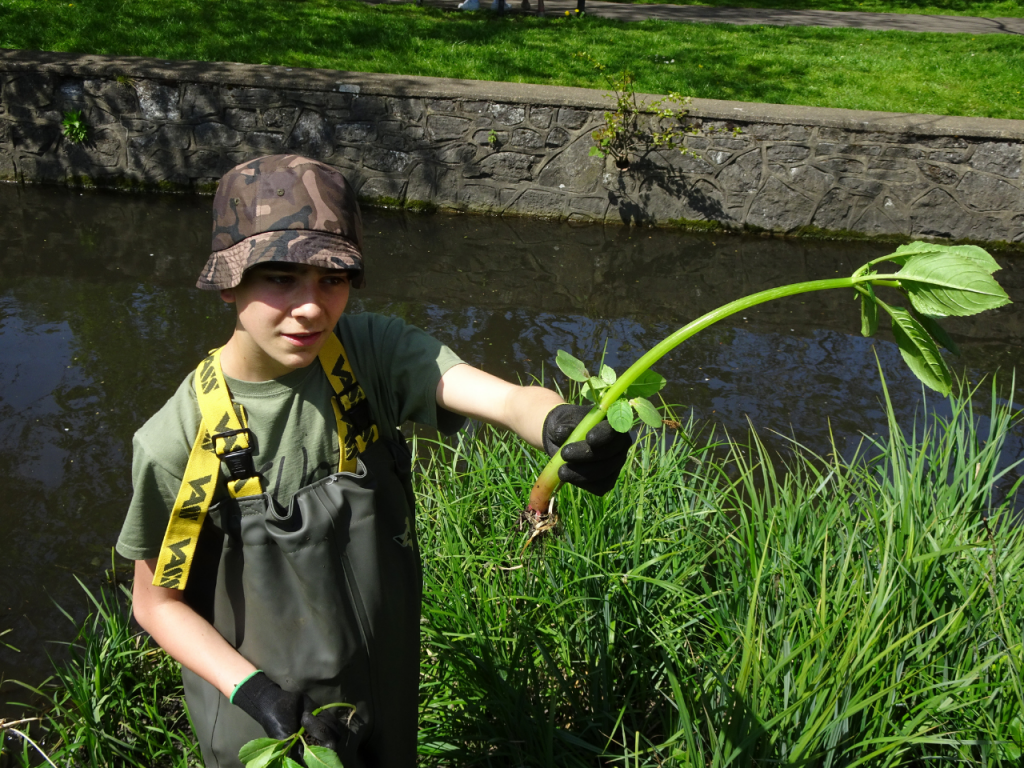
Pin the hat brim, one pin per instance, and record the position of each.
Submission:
(225, 268)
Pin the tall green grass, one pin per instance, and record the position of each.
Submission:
(719, 607)
(116, 700)
(707, 612)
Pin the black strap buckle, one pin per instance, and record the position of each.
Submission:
(240, 462)
(359, 416)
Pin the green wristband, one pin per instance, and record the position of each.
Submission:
(244, 680)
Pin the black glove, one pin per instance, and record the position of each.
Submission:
(593, 464)
(282, 713)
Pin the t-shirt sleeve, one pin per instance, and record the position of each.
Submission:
(400, 365)
(160, 453)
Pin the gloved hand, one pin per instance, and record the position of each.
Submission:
(592, 464)
(282, 713)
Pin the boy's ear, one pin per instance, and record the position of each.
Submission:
(228, 295)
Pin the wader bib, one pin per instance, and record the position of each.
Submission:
(323, 596)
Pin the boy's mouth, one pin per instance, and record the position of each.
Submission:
(303, 339)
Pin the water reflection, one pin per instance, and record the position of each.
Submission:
(99, 322)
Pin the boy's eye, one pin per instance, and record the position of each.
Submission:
(281, 278)
(336, 279)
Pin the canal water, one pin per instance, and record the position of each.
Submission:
(99, 322)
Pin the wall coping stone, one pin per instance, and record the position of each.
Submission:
(263, 76)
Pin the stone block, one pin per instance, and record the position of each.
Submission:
(34, 138)
(537, 202)
(422, 184)
(998, 157)
(457, 154)
(944, 142)
(354, 133)
(281, 118)
(777, 132)
(250, 98)
(508, 114)
(508, 166)
(32, 168)
(836, 209)
(441, 105)
(574, 168)
(70, 94)
(368, 107)
(572, 118)
(447, 127)
(32, 115)
(861, 186)
(947, 157)
(240, 119)
(524, 137)
(266, 142)
(938, 174)
(407, 110)
(207, 163)
(414, 133)
(315, 99)
(904, 153)
(381, 189)
(839, 165)
(484, 138)
(338, 101)
(158, 102)
(887, 219)
(541, 117)
(718, 156)
(386, 160)
(479, 196)
(937, 214)
(200, 100)
(8, 171)
(475, 107)
(787, 153)
(5, 133)
(742, 176)
(557, 137)
(174, 136)
(989, 193)
(117, 97)
(30, 90)
(725, 142)
(102, 150)
(311, 136)
(592, 206)
(859, 150)
(780, 208)
(217, 135)
(897, 176)
(805, 178)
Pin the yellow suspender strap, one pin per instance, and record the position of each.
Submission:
(356, 429)
(233, 444)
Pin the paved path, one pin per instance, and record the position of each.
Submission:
(908, 22)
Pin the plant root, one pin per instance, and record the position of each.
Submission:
(539, 523)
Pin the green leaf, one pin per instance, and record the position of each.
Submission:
(647, 412)
(938, 333)
(252, 748)
(321, 757)
(571, 367)
(592, 393)
(607, 374)
(620, 416)
(868, 314)
(950, 284)
(289, 763)
(978, 255)
(269, 756)
(597, 384)
(920, 351)
(647, 383)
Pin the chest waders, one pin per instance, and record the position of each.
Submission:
(323, 596)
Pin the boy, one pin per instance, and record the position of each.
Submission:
(299, 585)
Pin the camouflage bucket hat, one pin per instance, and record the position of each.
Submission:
(283, 208)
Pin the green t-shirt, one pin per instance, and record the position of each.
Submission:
(398, 367)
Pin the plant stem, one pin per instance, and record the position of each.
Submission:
(548, 483)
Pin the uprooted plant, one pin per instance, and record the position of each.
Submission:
(275, 753)
(938, 280)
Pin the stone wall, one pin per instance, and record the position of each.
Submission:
(508, 148)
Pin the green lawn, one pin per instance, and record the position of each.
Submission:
(982, 8)
(890, 71)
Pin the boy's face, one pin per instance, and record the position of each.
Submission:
(285, 313)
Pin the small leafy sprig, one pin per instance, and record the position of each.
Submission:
(938, 281)
(74, 126)
(620, 411)
(273, 753)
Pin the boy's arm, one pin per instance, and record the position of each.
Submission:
(184, 634)
(479, 395)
